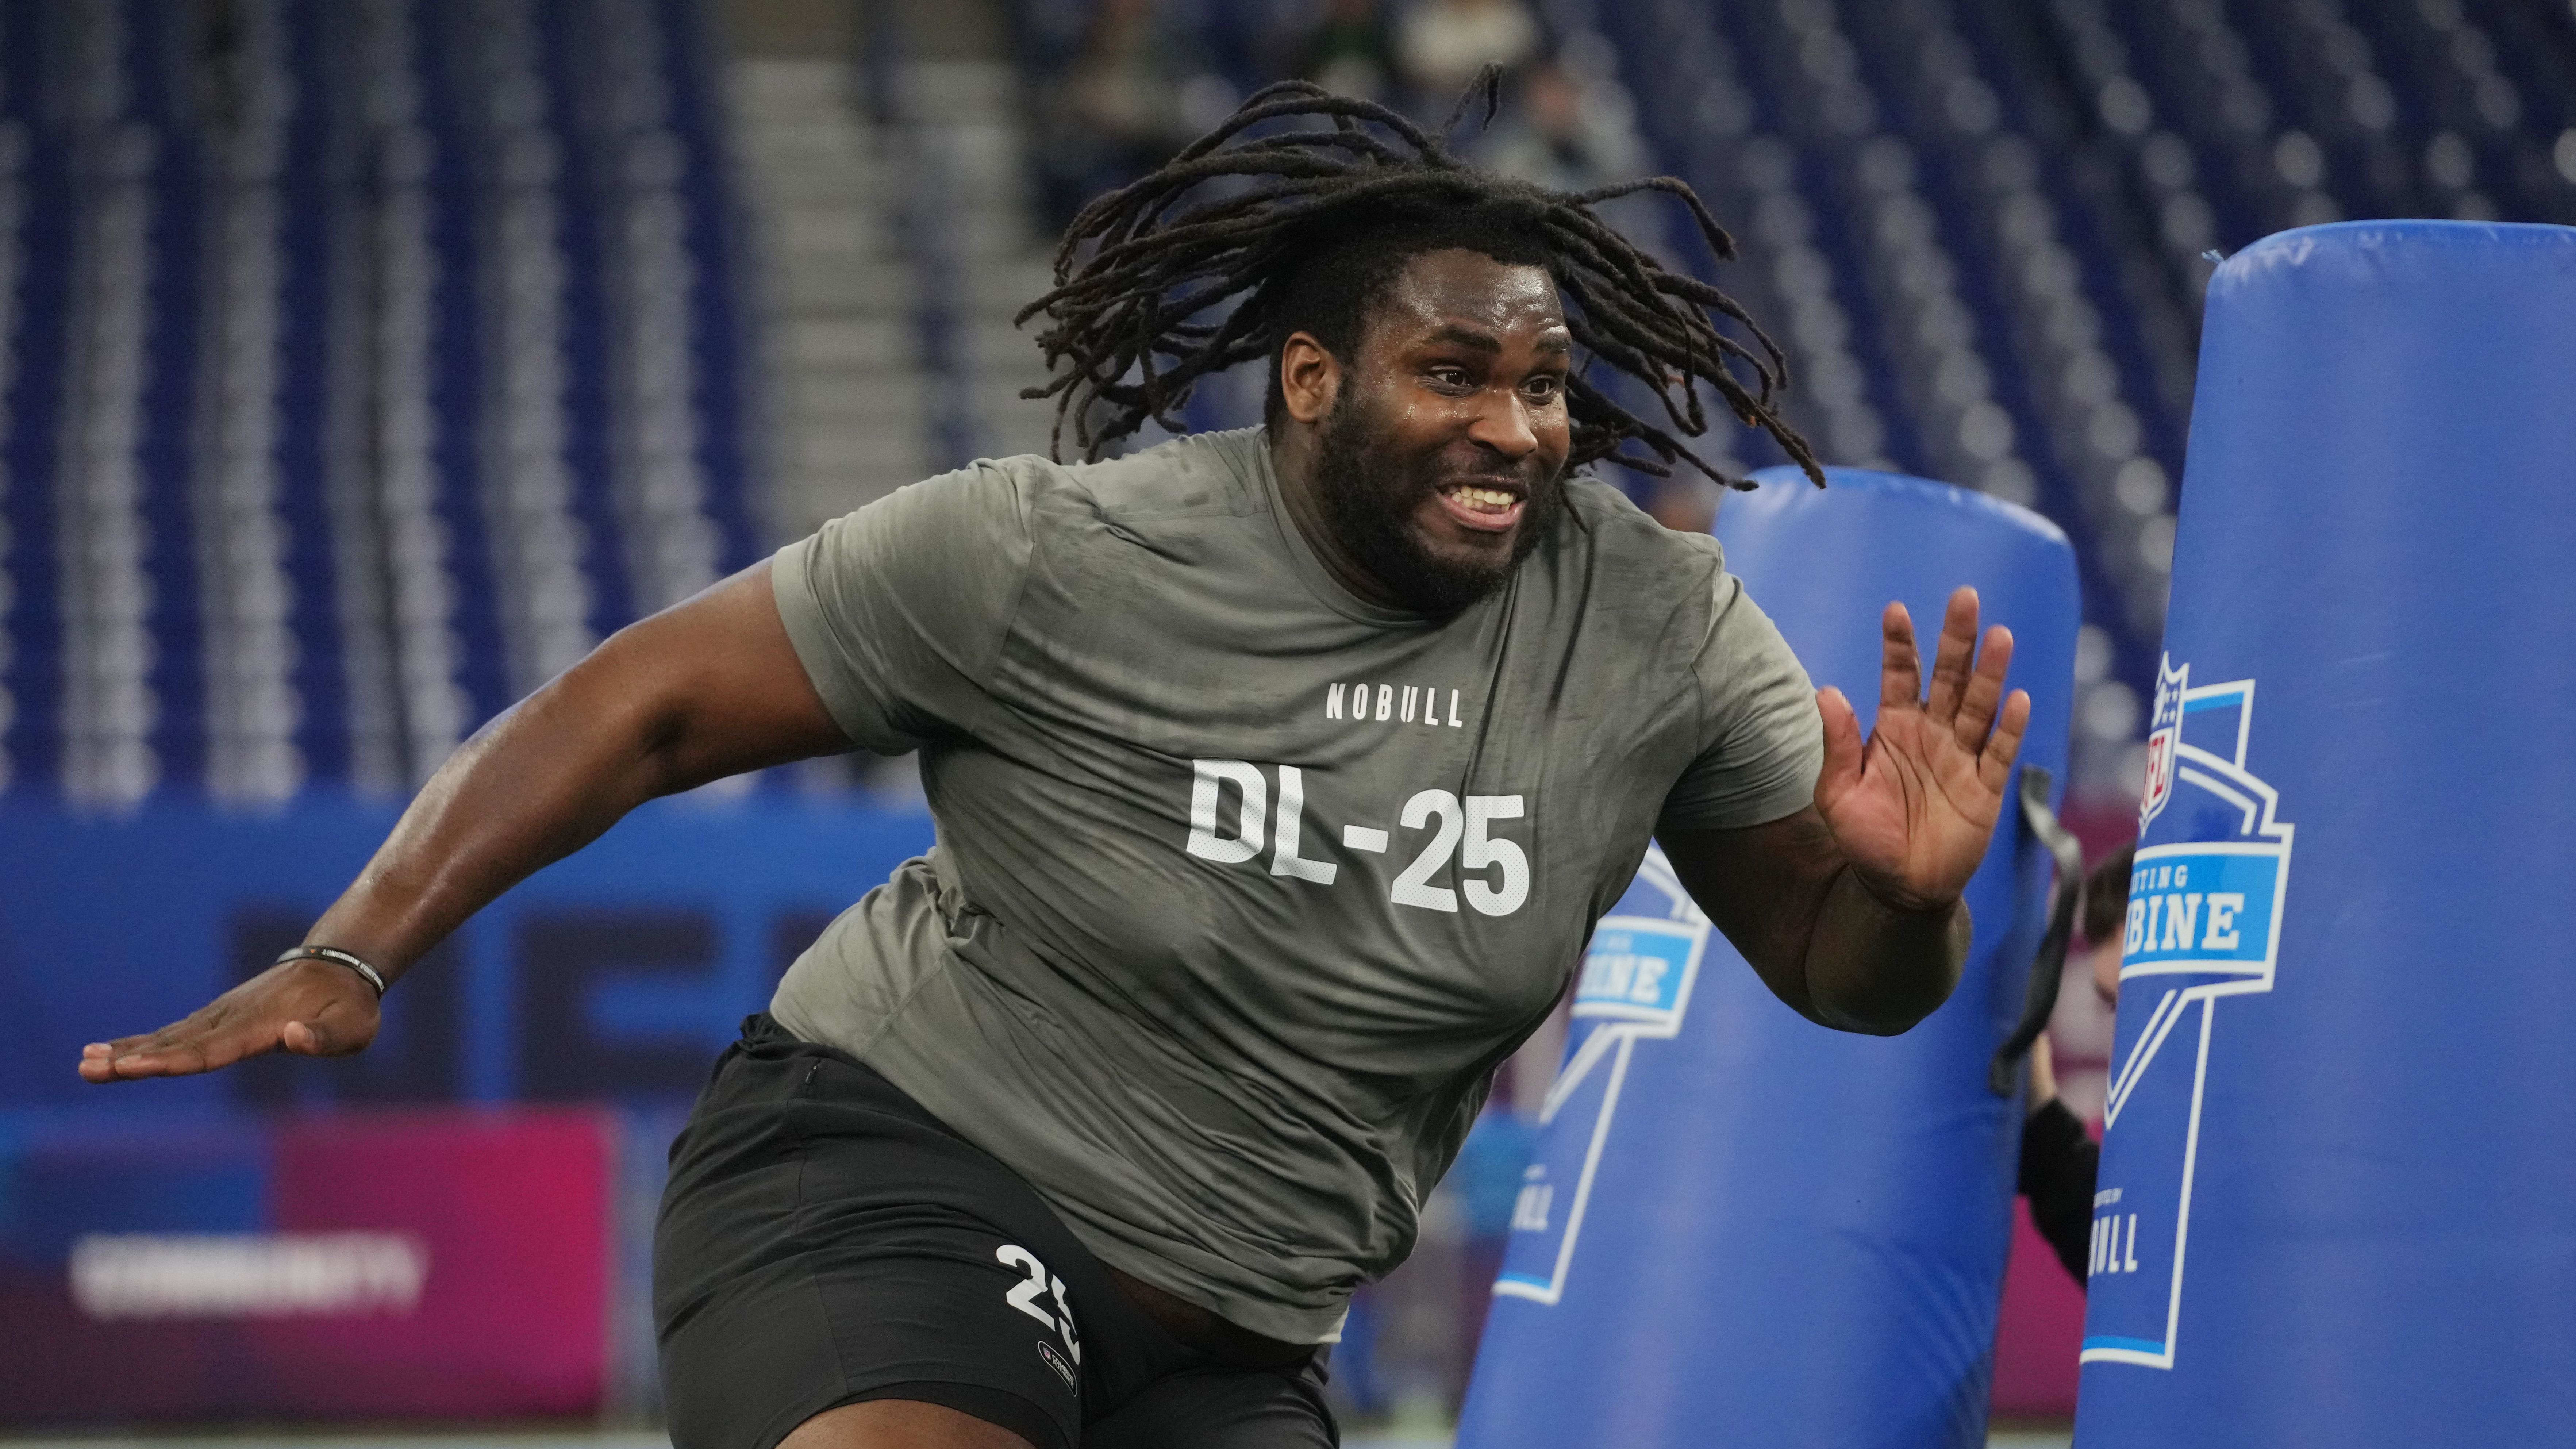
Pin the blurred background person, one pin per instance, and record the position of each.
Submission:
(1687, 504)
(1350, 51)
(1443, 43)
(1565, 134)
(1134, 93)
(2059, 1158)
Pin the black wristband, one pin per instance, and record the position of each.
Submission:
(334, 953)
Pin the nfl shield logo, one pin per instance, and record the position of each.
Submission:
(2164, 732)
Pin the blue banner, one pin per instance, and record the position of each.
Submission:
(619, 972)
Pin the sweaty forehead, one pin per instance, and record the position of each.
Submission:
(1508, 301)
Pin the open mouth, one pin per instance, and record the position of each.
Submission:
(1482, 507)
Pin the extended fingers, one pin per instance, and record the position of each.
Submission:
(1994, 767)
(203, 1042)
(309, 1007)
(1900, 665)
(177, 1058)
(1843, 750)
(1985, 688)
(1951, 660)
(114, 1060)
(148, 1057)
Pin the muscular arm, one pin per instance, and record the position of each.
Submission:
(707, 688)
(1817, 936)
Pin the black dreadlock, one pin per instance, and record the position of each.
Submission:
(1137, 270)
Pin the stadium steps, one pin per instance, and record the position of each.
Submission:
(849, 389)
(971, 110)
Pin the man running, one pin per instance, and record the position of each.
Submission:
(1279, 776)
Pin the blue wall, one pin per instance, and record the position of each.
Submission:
(619, 972)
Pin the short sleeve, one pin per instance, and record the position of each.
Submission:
(898, 610)
(1762, 742)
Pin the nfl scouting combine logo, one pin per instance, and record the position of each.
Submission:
(1636, 983)
(2204, 922)
(2164, 733)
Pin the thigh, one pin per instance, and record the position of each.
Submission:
(1220, 1408)
(813, 1333)
(899, 1424)
(816, 1249)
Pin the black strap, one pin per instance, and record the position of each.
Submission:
(2002, 1074)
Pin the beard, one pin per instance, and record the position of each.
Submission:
(1369, 493)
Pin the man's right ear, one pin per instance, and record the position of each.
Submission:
(1310, 378)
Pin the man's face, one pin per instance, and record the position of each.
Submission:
(1442, 462)
(2106, 969)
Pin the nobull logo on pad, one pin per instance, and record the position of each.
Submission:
(2204, 922)
(1636, 983)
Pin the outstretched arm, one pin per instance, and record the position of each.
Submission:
(707, 688)
(1850, 908)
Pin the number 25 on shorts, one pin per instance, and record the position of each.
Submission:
(1030, 1296)
(1493, 873)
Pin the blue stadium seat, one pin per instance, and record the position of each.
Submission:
(366, 363)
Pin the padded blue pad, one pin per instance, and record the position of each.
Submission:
(2337, 1188)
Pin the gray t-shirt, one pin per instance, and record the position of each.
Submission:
(1244, 885)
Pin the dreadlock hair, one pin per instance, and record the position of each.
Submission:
(1159, 284)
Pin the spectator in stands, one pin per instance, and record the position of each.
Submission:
(2059, 1159)
(1570, 136)
(1688, 505)
(1132, 96)
(1444, 43)
(1351, 51)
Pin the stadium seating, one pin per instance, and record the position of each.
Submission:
(1980, 228)
(1984, 225)
(360, 365)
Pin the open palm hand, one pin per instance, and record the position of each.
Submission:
(1914, 808)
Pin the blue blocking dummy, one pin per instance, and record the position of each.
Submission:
(1742, 1228)
(2338, 1198)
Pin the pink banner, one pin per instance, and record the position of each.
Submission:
(440, 1264)
(2043, 1324)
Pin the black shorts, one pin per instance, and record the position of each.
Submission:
(824, 1240)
